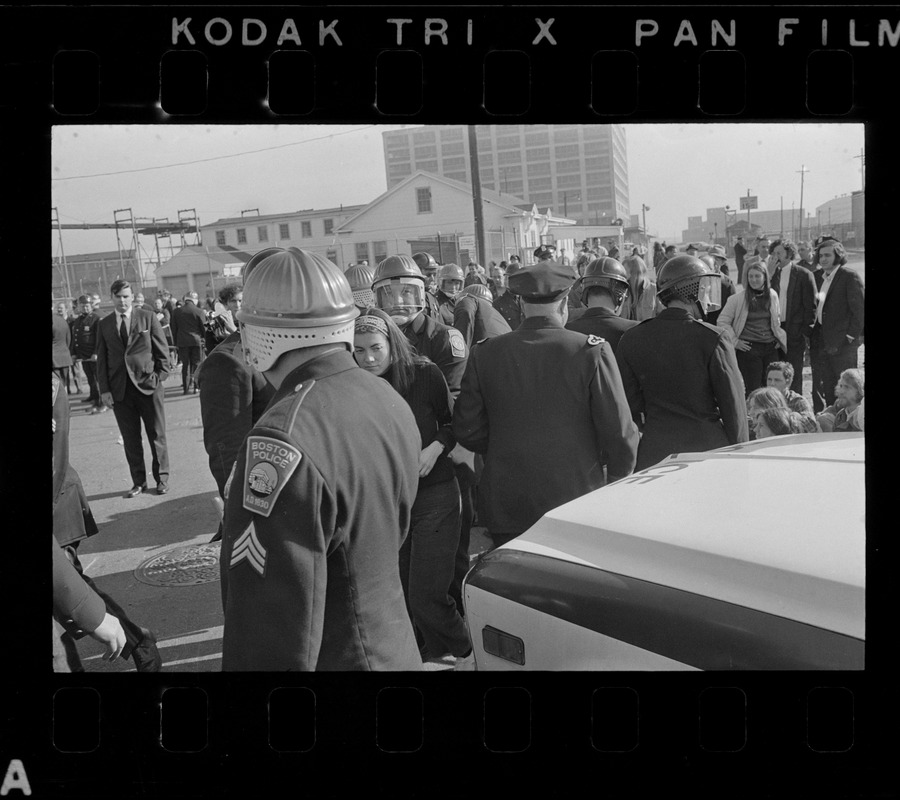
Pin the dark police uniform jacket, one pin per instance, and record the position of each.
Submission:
(601, 322)
(233, 396)
(316, 509)
(477, 319)
(446, 305)
(84, 335)
(72, 517)
(542, 404)
(445, 346)
(682, 375)
(508, 306)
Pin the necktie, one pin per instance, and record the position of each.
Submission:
(123, 332)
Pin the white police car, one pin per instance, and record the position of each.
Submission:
(749, 557)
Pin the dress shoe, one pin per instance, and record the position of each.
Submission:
(135, 490)
(145, 655)
(162, 487)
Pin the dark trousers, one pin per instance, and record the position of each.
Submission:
(90, 374)
(796, 347)
(190, 360)
(753, 362)
(64, 642)
(827, 368)
(66, 376)
(130, 411)
(426, 569)
(465, 478)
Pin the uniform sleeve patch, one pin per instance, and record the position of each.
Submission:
(594, 340)
(269, 465)
(457, 344)
(247, 547)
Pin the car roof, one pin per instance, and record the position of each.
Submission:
(776, 525)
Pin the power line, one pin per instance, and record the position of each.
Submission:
(213, 158)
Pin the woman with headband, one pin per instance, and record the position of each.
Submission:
(428, 554)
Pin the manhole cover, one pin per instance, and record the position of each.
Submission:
(183, 566)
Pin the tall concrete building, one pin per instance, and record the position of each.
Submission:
(579, 171)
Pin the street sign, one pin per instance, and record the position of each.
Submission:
(467, 243)
(749, 202)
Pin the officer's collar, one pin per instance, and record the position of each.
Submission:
(534, 323)
(599, 311)
(322, 366)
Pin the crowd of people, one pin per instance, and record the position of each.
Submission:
(359, 423)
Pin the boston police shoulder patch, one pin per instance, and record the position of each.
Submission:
(457, 343)
(268, 467)
(595, 340)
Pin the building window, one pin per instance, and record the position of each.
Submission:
(453, 149)
(538, 169)
(423, 137)
(567, 181)
(512, 187)
(451, 134)
(427, 166)
(220, 238)
(567, 135)
(536, 138)
(509, 157)
(454, 163)
(362, 251)
(572, 165)
(542, 200)
(429, 151)
(306, 229)
(566, 151)
(538, 154)
(462, 177)
(423, 199)
(380, 251)
(331, 255)
(263, 233)
(242, 235)
(284, 231)
(398, 170)
(329, 225)
(539, 184)
(507, 142)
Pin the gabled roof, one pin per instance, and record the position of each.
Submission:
(508, 201)
(221, 255)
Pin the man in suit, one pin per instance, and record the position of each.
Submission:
(838, 330)
(188, 330)
(796, 290)
(542, 404)
(132, 364)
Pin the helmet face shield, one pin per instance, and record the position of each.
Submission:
(402, 298)
(451, 287)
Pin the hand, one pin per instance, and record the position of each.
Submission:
(94, 357)
(54, 425)
(107, 399)
(741, 345)
(428, 458)
(110, 633)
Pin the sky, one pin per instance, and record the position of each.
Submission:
(677, 170)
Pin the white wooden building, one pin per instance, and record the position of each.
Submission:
(201, 269)
(424, 205)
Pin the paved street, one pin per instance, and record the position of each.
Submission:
(179, 596)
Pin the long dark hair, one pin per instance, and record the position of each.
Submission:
(761, 299)
(404, 358)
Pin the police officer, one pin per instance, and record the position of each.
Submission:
(399, 288)
(542, 404)
(680, 373)
(84, 346)
(429, 268)
(309, 561)
(603, 290)
(450, 280)
(475, 317)
(505, 301)
(545, 252)
(360, 279)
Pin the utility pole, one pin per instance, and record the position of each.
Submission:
(782, 216)
(476, 196)
(644, 210)
(748, 213)
(862, 164)
(803, 170)
(55, 218)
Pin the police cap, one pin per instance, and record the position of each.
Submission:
(543, 282)
(545, 251)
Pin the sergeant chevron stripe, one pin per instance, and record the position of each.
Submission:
(247, 547)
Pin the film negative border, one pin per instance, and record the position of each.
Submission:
(217, 735)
